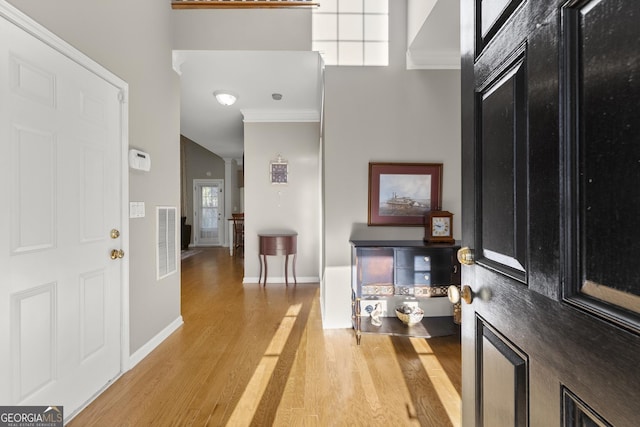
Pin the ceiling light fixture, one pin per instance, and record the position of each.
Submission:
(276, 96)
(225, 97)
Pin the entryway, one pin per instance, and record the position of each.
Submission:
(208, 212)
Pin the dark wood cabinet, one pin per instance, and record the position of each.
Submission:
(389, 274)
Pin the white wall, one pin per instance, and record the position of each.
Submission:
(294, 206)
(133, 40)
(418, 11)
(381, 114)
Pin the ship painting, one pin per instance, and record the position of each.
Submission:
(404, 195)
(403, 202)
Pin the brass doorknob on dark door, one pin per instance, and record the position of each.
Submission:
(453, 293)
(456, 294)
(117, 253)
(466, 256)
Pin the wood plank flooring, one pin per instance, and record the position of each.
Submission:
(253, 356)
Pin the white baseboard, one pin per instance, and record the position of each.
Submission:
(336, 324)
(154, 342)
(133, 361)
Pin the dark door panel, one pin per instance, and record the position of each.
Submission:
(504, 372)
(503, 170)
(578, 413)
(603, 161)
(551, 202)
(565, 342)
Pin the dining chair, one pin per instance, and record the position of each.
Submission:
(238, 232)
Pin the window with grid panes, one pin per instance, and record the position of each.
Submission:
(352, 32)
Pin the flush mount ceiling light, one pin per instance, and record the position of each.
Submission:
(225, 97)
(276, 96)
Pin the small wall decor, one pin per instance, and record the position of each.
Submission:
(279, 171)
(401, 193)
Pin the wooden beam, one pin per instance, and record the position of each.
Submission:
(226, 4)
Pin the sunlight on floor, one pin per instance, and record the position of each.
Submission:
(243, 413)
(449, 396)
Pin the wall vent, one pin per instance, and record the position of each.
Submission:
(167, 231)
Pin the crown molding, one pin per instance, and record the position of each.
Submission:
(279, 116)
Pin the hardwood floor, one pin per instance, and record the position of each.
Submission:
(253, 356)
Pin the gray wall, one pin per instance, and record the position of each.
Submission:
(133, 40)
(381, 114)
(249, 29)
(294, 206)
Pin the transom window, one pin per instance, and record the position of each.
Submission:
(352, 32)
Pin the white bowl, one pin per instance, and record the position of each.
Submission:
(414, 316)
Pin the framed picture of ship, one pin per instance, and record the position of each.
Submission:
(401, 193)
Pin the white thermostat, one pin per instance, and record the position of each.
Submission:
(139, 160)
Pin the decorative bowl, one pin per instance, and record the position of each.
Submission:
(409, 315)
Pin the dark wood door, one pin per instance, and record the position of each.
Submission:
(551, 208)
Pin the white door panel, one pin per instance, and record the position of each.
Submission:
(60, 292)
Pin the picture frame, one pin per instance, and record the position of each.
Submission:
(279, 171)
(401, 193)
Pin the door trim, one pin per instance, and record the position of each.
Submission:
(221, 210)
(24, 22)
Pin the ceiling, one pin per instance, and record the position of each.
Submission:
(253, 76)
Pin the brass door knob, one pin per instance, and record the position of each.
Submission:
(466, 256)
(456, 294)
(117, 253)
(467, 294)
(453, 293)
(115, 234)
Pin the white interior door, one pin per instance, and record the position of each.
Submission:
(60, 183)
(208, 211)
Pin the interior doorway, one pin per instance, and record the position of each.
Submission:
(208, 212)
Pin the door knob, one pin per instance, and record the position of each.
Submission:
(456, 294)
(117, 253)
(115, 234)
(466, 256)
